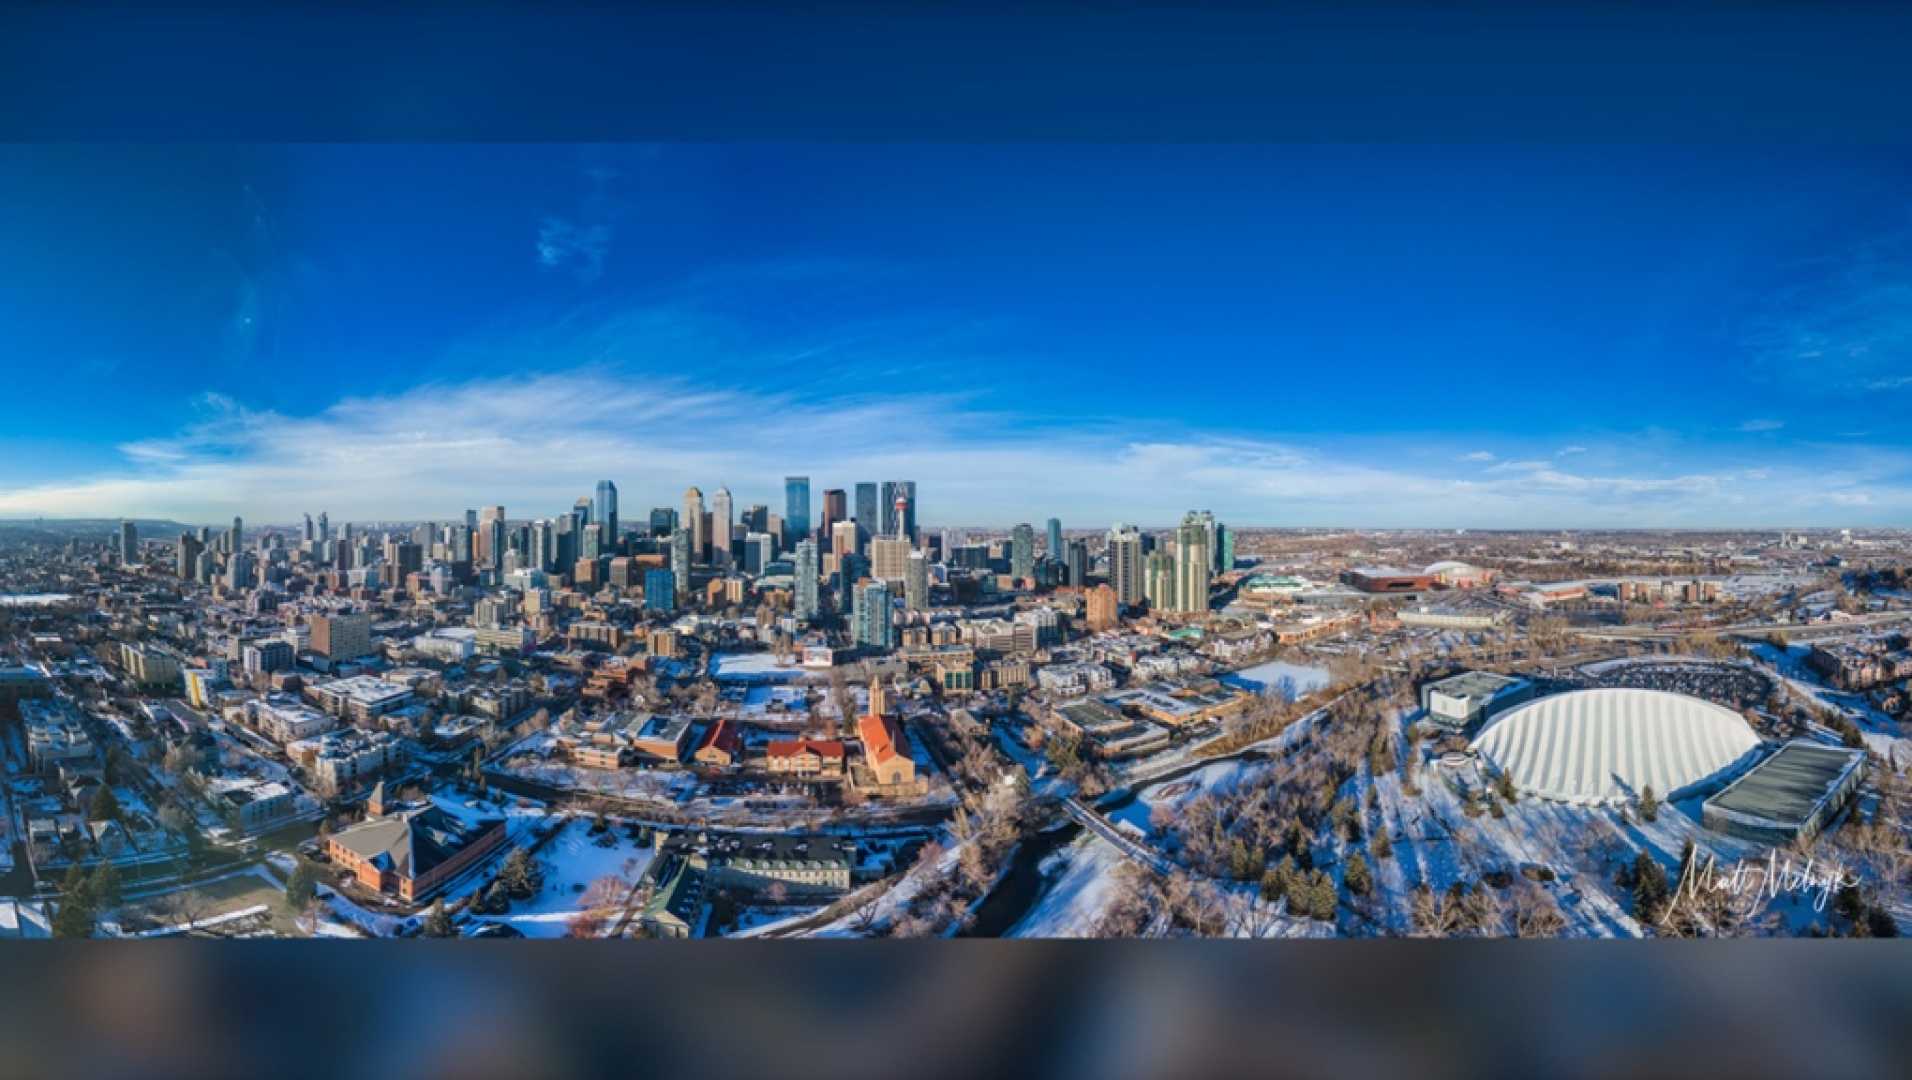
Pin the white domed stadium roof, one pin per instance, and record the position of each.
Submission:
(1609, 745)
(1449, 565)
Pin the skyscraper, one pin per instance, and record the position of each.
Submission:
(663, 521)
(1022, 552)
(908, 489)
(888, 510)
(680, 558)
(889, 558)
(1194, 562)
(796, 509)
(543, 550)
(721, 519)
(1055, 540)
(836, 507)
(237, 540)
(325, 527)
(307, 535)
(606, 514)
(239, 570)
(1226, 548)
(1076, 562)
(916, 581)
(843, 539)
(1125, 565)
(694, 521)
(1160, 583)
(874, 628)
(189, 549)
(868, 521)
(128, 544)
(806, 605)
(493, 538)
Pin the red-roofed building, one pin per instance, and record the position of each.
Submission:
(720, 746)
(805, 757)
(886, 750)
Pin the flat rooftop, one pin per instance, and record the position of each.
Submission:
(1476, 685)
(1789, 786)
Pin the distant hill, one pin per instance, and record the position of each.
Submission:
(87, 528)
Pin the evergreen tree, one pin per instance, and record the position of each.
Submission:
(437, 922)
(515, 875)
(1322, 899)
(74, 919)
(104, 887)
(1649, 805)
(1650, 890)
(1356, 875)
(76, 888)
(1380, 846)
(105, 806)
(302, 887)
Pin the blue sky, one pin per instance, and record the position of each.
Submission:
(1289, 335)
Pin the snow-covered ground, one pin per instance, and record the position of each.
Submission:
(1079, 887)
(752, 667)
(1222, 776)
(1290, 680)
(572, 863)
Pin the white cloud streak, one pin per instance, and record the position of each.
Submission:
(535, 444)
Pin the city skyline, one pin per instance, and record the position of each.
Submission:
(1326, 336)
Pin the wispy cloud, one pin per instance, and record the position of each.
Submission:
(1762, 425)
(1478, 455)
(1569, 451)
(581, 241)
(536, 443)
(583, 248)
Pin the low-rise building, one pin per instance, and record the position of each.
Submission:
(805, 757)
(361, 698)
(412, 853)
(1462, 703)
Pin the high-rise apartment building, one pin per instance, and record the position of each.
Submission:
(916, 581)
(807, 572)
(1125, 565)
(1022, 552)
(1194, 561)
(875, 627)
(342, 637)
(680, 559)
(1076, 563)
(1160, 582)
(889, 557)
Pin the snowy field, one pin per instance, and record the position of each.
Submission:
(1279, 676)
(752, 667)
(571, 863)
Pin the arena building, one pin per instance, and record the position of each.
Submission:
(1607, 746)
